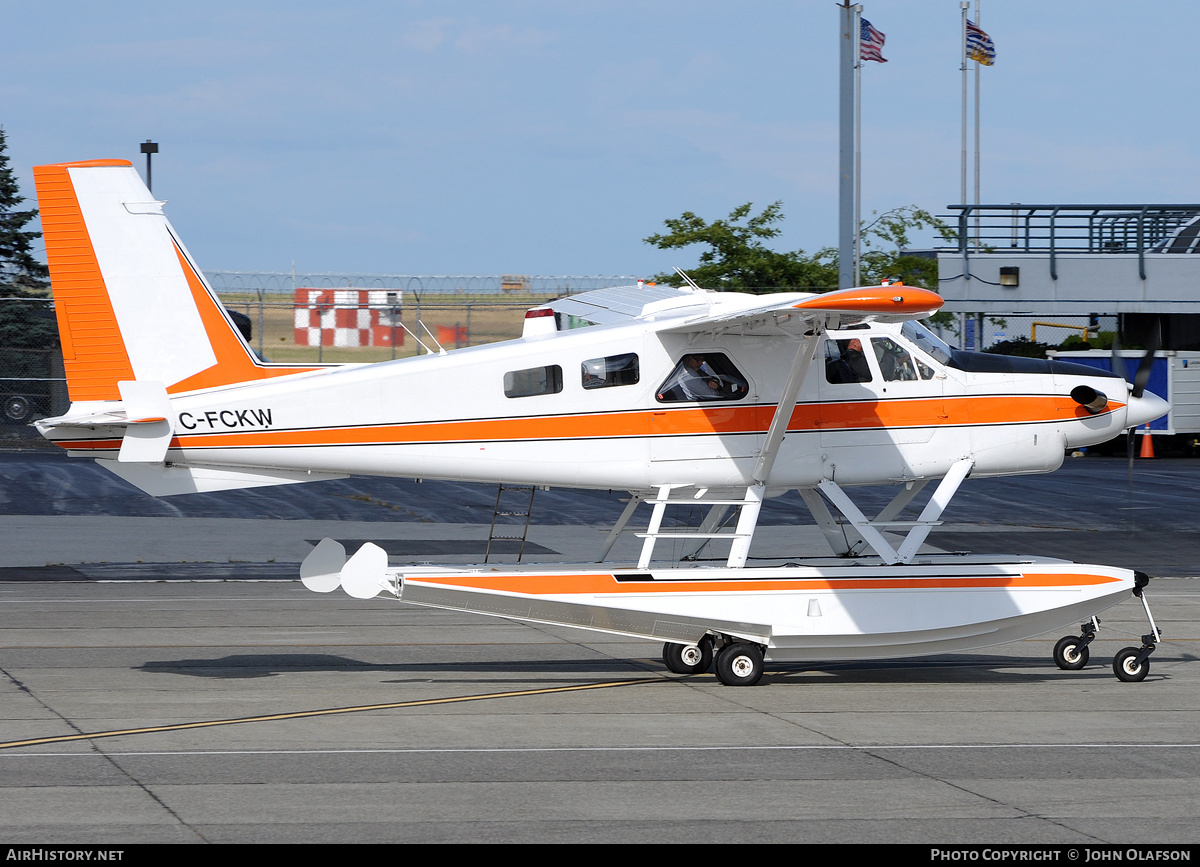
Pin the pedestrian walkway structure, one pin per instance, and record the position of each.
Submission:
(1069, 260)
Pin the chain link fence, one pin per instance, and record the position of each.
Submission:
(307, 329)
(32, 383)
(1025, 333)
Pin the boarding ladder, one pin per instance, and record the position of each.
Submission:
(712, 527)
(518, 504)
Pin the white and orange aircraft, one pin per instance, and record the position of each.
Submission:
(679, 396)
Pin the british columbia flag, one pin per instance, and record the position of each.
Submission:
(979, 45)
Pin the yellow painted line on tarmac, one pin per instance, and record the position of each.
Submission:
(86, 736)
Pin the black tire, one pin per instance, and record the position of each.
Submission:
(739, 664)
(1126, 668)
(688, 658)
(16, 408)
(1071, 654)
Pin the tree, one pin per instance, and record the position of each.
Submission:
(20, 273)
(736, 259)
(885, 242)
(23, 323)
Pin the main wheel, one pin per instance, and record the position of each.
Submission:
(739, 665)
(688, 658)
(1127, 668)
(1070, 654)
(16, 408)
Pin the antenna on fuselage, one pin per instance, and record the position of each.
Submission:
(695, 286)
(436, 342)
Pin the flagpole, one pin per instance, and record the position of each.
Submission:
(963, 6)
(978, 23)
(847, 179)
(858, 147)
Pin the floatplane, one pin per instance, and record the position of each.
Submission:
(680, 396)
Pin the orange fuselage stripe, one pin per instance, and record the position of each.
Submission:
(866, 415)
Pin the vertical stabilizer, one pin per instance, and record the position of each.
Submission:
(131, 304)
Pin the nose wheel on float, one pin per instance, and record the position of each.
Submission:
(1131, 664)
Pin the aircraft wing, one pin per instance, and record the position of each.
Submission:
(796, 312)
(626, 303)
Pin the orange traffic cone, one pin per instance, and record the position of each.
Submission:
(1147, 443)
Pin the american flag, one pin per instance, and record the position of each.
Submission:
(980, 46)
(870, 42)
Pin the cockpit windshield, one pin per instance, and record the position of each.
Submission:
(927, 341)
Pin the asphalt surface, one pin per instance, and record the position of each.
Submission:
(149, 692)
(1094, 509)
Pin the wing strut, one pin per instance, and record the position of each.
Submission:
(756, 493)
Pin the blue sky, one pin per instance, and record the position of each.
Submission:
(538, 137)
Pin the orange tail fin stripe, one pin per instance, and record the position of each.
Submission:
(234, 363)
(94, 353)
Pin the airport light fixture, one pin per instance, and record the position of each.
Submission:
(149, 147)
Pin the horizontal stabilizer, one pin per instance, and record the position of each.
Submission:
(167, 481)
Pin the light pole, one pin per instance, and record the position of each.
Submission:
(149, 147)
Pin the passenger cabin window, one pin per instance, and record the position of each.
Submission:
(703, 376)
(845, 361)
(611, 371)
(535, 380)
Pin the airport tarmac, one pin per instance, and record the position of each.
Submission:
(152, 694)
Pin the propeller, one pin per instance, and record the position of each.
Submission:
(1142, 375)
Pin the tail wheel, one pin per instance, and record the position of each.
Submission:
(688, 658)
(739, 664)
(1127, 668)
(1071, 654)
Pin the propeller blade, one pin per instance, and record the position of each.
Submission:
(1118, 363)
(1147, 363)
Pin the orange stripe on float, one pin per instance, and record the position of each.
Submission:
(605, 584)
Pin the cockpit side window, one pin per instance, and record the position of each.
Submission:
(846, 362)
(927, 341)
(894, 361)
(703, 376)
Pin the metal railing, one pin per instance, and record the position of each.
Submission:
(1072, 229)
(1068, 228)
